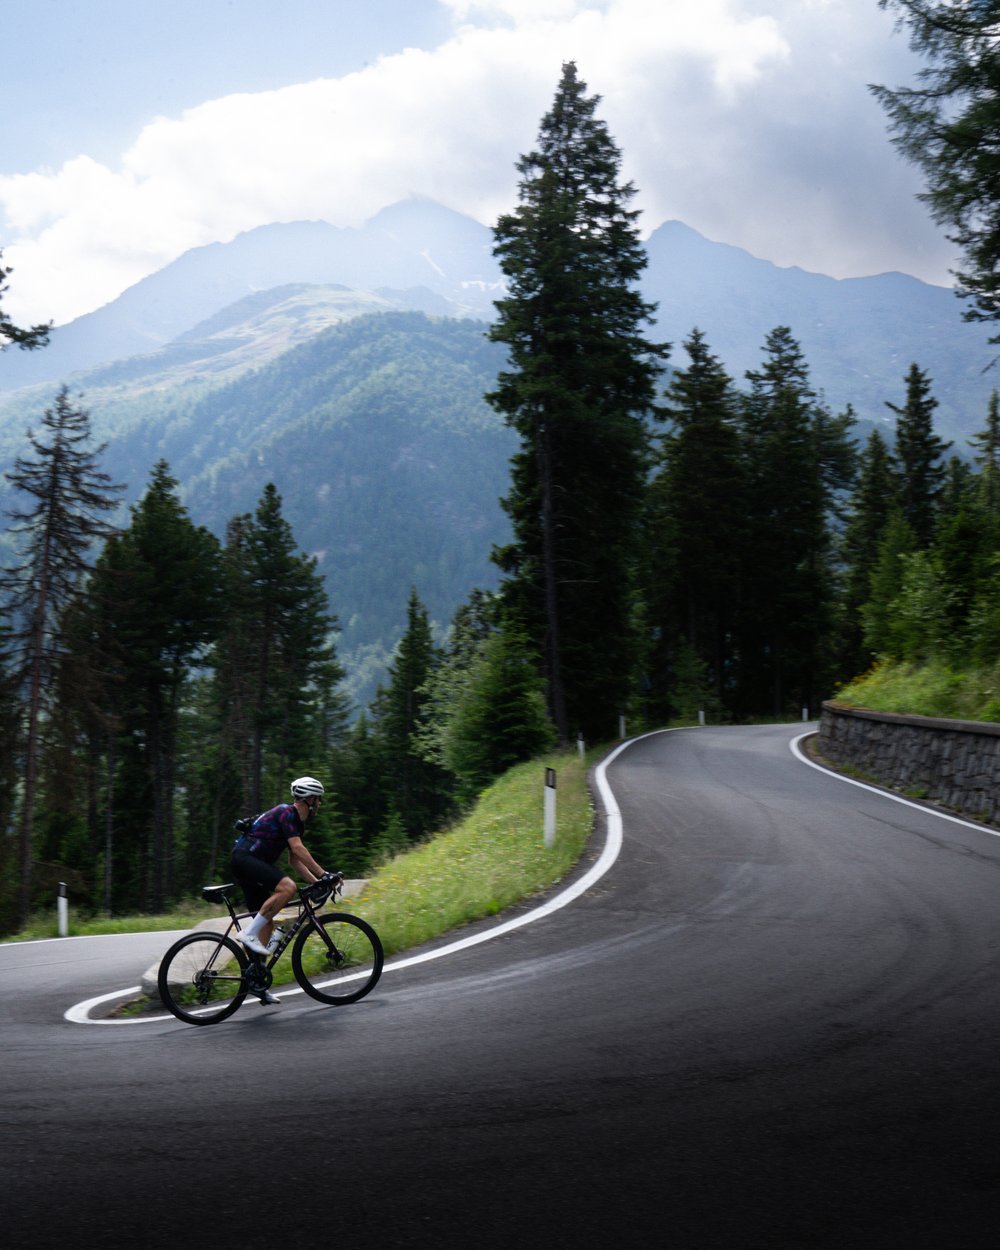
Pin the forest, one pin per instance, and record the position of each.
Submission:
(682, 543)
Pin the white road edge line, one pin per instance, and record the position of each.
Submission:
(886, 794)
(80, 1013)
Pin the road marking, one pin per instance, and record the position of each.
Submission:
(886, 794)
(80, 1013)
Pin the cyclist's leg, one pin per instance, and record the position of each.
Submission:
(267, 890)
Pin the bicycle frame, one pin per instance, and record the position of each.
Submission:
(308, 914)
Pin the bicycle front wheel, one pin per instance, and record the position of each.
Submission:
(201, 978)
(339, 963)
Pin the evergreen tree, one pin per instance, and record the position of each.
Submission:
(359, 783)
(26, 339)
(279, 709)
(163, 577)
(499, 719)
(474, 623)
(948, 125)
(961, 548)
(878, 612)
(416, 789)
(918, 456)
(696, 516)
(870, 507)
(295, 662)
(10, 715)
(793, 472)
(581, 383)
(987, 455)
(70, 496)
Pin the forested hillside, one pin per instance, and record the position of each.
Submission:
(375, 430)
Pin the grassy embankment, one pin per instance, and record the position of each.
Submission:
(931, 689)
(493, 857)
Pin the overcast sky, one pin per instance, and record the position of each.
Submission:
(137, 129)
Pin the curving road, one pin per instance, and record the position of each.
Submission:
(772, 1024)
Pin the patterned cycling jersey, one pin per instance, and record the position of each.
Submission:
(270, 832)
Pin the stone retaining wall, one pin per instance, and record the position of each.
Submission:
(954, 762)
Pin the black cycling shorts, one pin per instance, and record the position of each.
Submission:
(258, 878)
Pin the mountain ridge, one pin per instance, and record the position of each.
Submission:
(859, 335)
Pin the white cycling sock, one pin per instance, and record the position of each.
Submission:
(255, 926)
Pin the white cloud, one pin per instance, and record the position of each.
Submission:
(752, 126)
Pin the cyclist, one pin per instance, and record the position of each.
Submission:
(267, 888)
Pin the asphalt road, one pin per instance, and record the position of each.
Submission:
(772, 1024)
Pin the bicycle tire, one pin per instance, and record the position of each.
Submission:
(192, 982)
(340, 965)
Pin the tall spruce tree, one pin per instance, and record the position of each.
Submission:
(696, 511)
(986, 443)
(793, 470)
(416, 789)
(871, 504)
(10, 710)
(70, 499)
(919, 456)
(276, 676)
(160, 583)
(286, 611)
(949, 125)
(878, 613)
(581, 383)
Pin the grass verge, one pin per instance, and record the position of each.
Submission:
(931, 689)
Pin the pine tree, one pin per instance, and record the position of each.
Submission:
(277, 675)
(580, 386)
(9, 732)
(416, 789)
(879, 611)
(870, 507)
(961, 547)
(918, 456)
(796, 459)
(11, 334)
(70, 498)
(162, 578)
(359, 780)
(948, 126)
(696, 516)
(499, 719)
(987, 445)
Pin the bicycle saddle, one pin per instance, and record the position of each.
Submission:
(215, 893)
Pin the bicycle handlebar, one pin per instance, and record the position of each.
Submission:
(319, 891)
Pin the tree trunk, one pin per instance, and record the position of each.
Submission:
(109, 821)
(31, 747)
(557, 695)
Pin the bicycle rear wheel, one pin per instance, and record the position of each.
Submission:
(202, 978)
(340, 964)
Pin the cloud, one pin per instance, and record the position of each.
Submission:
(755, 128)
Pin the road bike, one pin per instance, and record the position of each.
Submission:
(336, 958)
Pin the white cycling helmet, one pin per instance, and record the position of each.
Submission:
(307, 788)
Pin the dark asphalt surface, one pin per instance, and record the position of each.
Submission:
(772, 1024)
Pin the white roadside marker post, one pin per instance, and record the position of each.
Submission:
(550, 807)
(62, 909)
